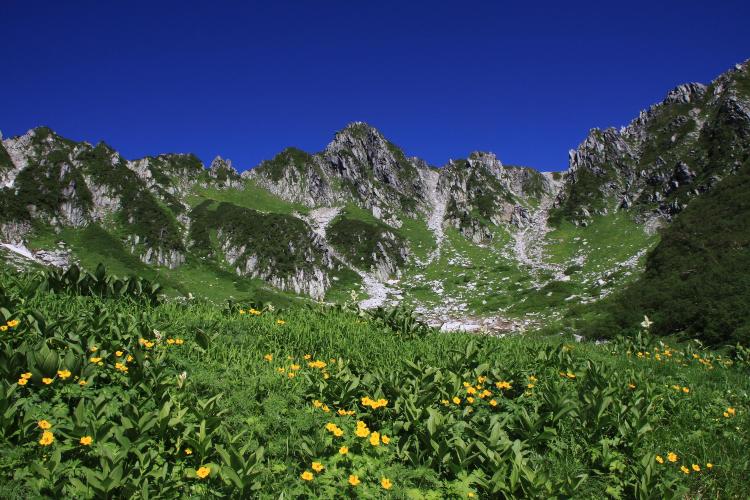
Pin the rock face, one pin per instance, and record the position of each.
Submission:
(358, 166)
(677, 149)
(483, 193)
(224, 174)
(362, 167)
(59, 182)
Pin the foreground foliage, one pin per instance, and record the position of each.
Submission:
(110, 395)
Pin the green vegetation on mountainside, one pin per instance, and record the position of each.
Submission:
(364, 244)
(5, 162)
(250, 196)
(697, 279)
(291, 156)
(109, 396)
(202, 278)
(607, 240)
(280, 243)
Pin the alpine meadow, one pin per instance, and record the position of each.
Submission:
(357, 322)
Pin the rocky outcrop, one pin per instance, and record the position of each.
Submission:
(675, 150)
(483, 193)
(223, 174)
(358, 165)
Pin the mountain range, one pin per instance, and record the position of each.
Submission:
(473, 244)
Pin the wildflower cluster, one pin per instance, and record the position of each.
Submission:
(9, 325)
(374, 404)
(673, 458)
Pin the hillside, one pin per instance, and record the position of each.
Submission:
(472, 245)
(110, 392)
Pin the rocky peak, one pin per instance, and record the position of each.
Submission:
(223, 173)
(685, 93)
(360, 151)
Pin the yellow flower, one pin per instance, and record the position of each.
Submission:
(385, 483)
(659, 459)
(3, 328)
(22, 381)
(44, 425)
(684, 469)
(444, 402)
(316, 403)
(709, 465)
(178, 341)
(47, 381)
(631, 386)
(343, 450)
(13, 323)
(63, 374)
(362, 430)
(685, 390)
(326, 376)
(294, 367)
(119, 353)
(672, 457)
(148, 344)
(354, 479)
(325, 408)
(268, 357)
(731, 411)
(456, 400)
(47, 438)
(86, 440)
(317, 466)
(129, 358)
(242, 311)
(307, 475)
(532, 378)
(280, 322)
(188, 451)
(82, 383)
(170, 341)
(95, 360)
(94, 348)
(503, 385)
(493, 402)
(470, 400)
(26, 375)
(291, 375)
(696, 467)
(570, 375)
(481, 379)
(203, 472)
(471, 390)
(375, 439)
(385, 439)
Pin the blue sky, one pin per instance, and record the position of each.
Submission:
(526, 80)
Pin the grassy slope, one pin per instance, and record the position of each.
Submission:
(608, 239)
(92, 245)
(251, 196)
(570, 438)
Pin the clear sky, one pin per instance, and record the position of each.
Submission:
(524, 79)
